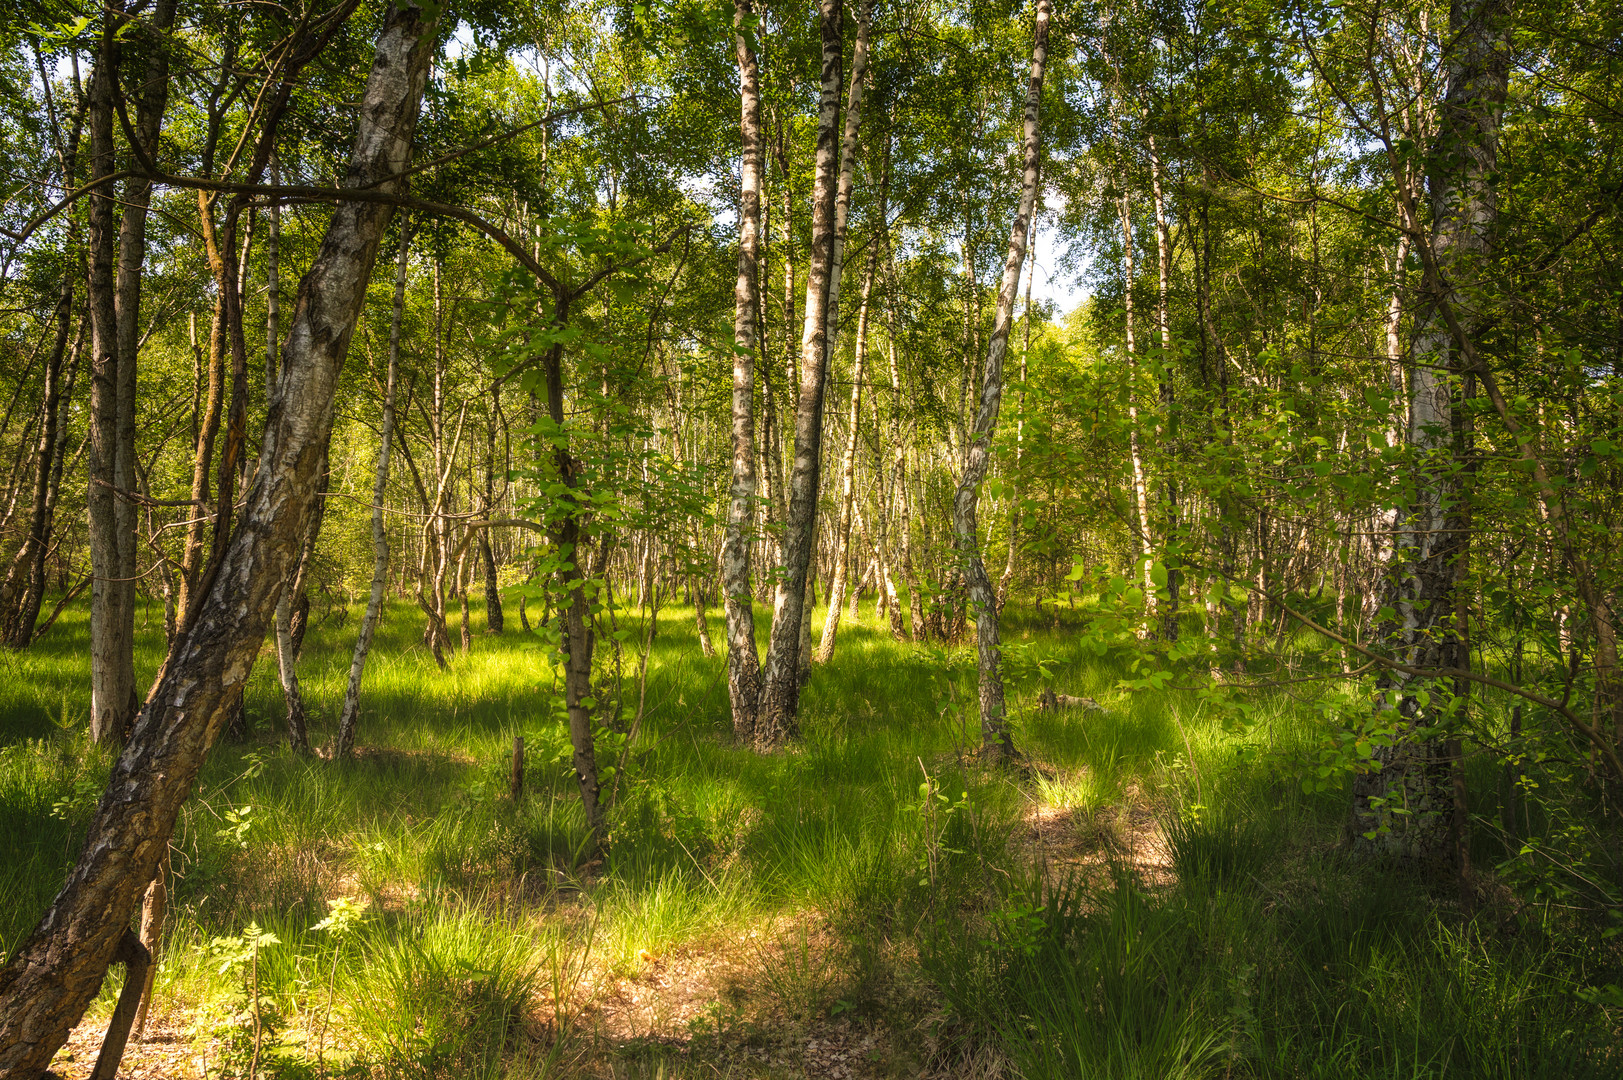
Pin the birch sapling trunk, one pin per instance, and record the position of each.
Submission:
(777, 722)
(848, 471)
(1169, 434)
(910, 581)
(995, 736)
(494, 621)
(1141, 500)
(1019, 426)
(55, 973)
(743, 663)
(1416, 773)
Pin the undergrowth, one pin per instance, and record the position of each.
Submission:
(399, 915)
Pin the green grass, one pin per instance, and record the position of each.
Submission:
(875, 876)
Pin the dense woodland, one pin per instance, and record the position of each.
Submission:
(872, 539)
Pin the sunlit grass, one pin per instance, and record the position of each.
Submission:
(877, 853)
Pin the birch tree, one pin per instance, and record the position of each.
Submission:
(995, 737)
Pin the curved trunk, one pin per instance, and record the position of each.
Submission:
(57, 971)
(995, 735)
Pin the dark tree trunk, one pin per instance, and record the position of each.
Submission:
(36, 545)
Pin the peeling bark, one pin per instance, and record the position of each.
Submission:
(57, 970)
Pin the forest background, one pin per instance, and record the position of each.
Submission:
(482, 426)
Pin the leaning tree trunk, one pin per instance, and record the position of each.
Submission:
(56, 972)
(995, 735)
(743, 664)
(777, 722)
(1407, 806)
(350, 715)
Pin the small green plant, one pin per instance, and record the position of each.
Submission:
(239, 822)
(261, 1018)
(77, 803)
(343, 916)
(936, 812)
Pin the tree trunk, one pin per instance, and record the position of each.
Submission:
(494, 621)
(1416, 773)
(995, 735)
(56, 972)
(112, 656)
(1019, 430)
(1163, 319)
(36, 545)
(848, 469)
(1141, 499)
(289, 637)
(743, 663)
(777, 720)
(575, 620)
(380, 540)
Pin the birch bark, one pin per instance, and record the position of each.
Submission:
(53, 976)
(1416, 773)
(776, 721)
(349, 717)
(995, 736)
(743, 663)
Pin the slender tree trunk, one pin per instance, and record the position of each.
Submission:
(290, 631)
(56, 971)
(1019, 429)
(848, 469)
(576, 622)
(493, 592)
(298, 733)
(1417, 773)
(995, 735)
(36, 545)
(777, 720)
(349, 717)
(208, 430)
(1163, 320)
(1141, 498)
(743, 663)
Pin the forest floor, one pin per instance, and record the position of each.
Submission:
(1150, 893)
